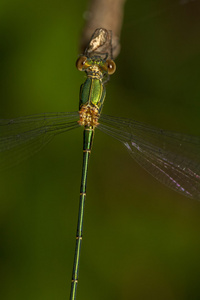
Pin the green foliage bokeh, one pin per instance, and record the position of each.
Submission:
(141, 240)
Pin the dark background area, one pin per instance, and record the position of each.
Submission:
(141, 240)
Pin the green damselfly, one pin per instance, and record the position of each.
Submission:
(172, 158)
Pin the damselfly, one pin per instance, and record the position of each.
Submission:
(172, 158)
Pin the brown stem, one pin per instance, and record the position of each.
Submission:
(106, 14)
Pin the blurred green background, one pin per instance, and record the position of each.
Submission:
(141, 240)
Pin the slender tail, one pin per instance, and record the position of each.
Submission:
(87, 146)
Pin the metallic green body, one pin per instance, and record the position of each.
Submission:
(97, 64)
(92, 93)
(88, 134)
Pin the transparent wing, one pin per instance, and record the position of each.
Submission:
(172, 158)
(22, 137)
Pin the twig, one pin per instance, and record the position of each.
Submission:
(106, 14)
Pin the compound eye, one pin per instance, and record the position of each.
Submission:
(111, 66)
(81, 62)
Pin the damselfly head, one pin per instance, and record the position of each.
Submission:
(84, 63)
